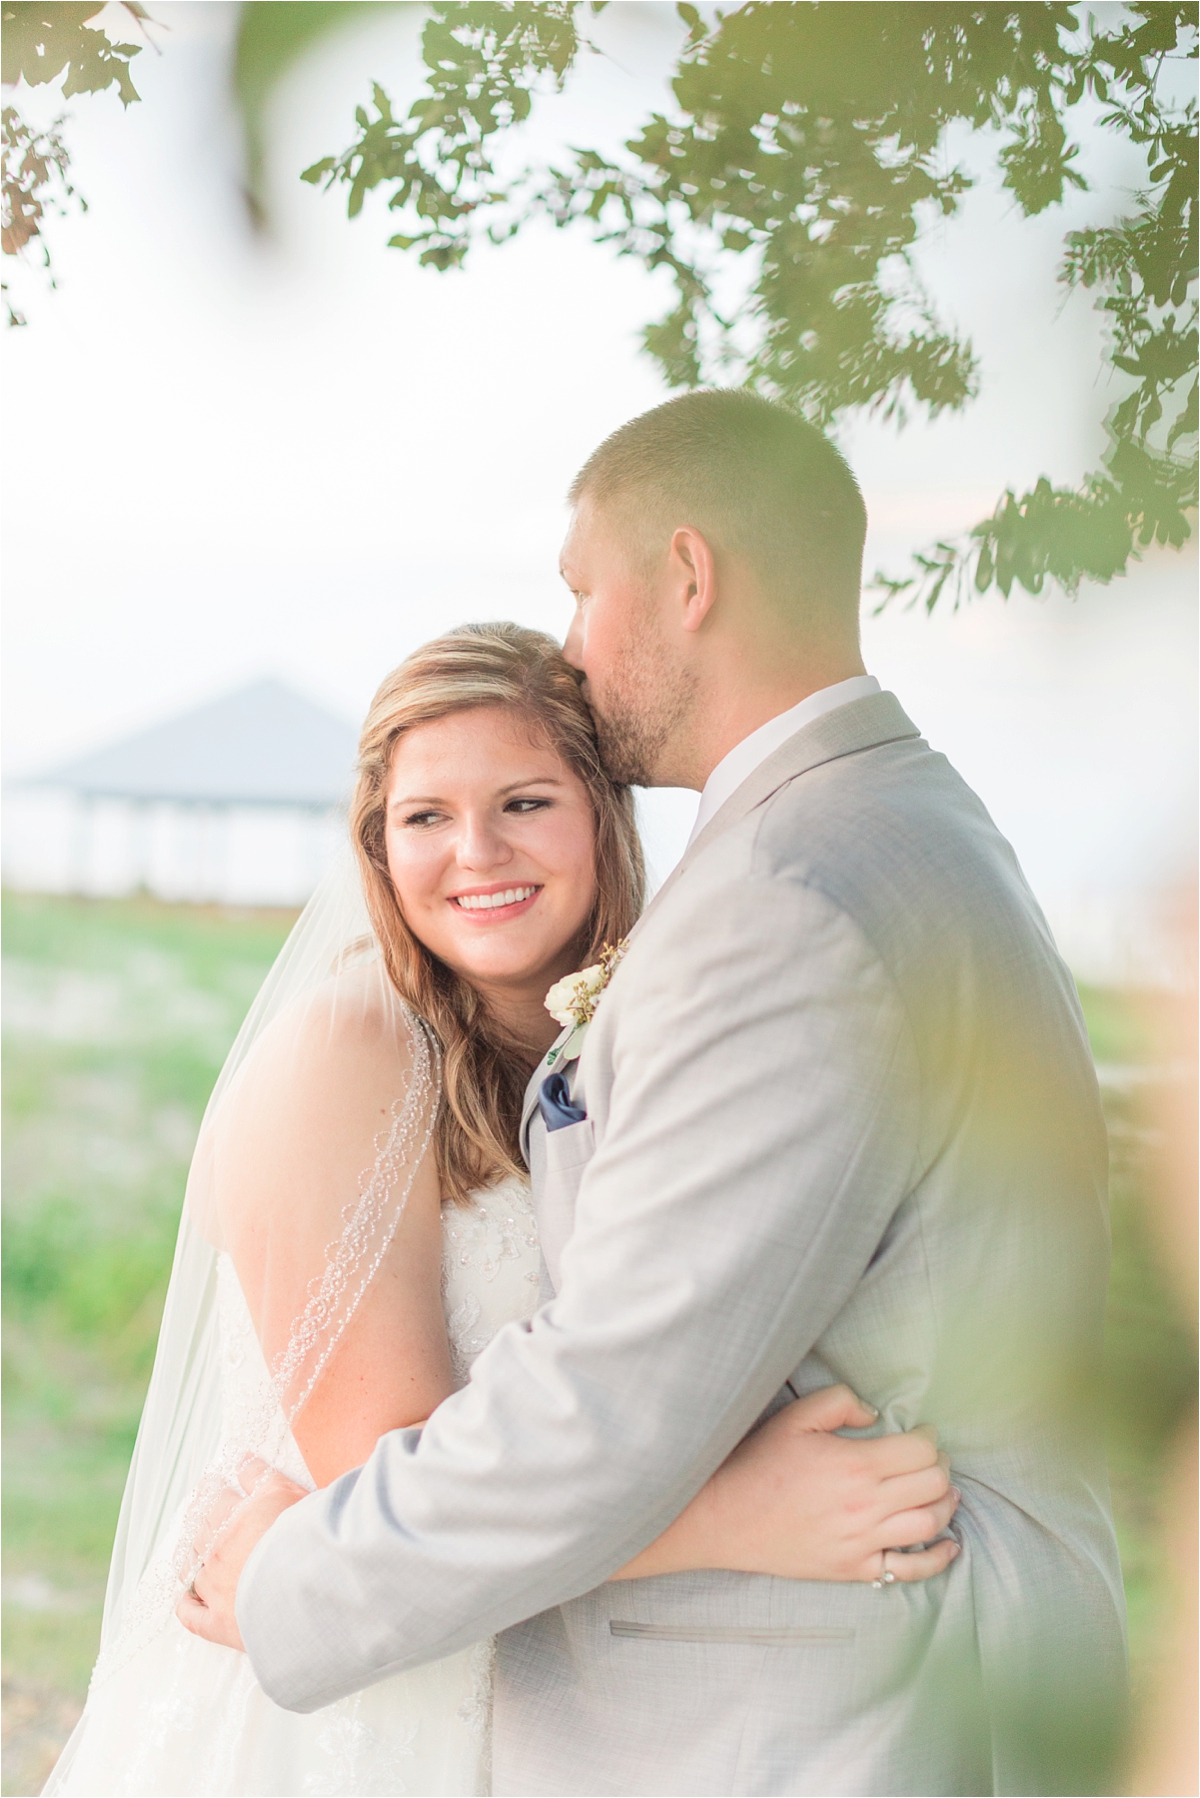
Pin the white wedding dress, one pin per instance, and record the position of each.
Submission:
(185, 1716)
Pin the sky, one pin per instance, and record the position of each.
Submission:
(300, 455)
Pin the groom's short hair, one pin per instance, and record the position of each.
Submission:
(753, 477)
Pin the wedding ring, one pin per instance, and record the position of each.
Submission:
(886, 1576)
(192, 1593)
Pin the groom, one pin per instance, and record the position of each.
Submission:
(835, 1119)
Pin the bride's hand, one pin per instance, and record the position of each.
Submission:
(799, 1502)
(232, 1529)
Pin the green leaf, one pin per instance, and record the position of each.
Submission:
(815, 136)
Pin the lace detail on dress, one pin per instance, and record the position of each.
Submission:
(495, 1226)
(493, 1238)
(490, 1277)
(360, 1759)
(475, 1712)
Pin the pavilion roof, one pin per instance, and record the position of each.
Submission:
(261, 745)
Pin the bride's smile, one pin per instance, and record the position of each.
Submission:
(491, 848)
(490, 902)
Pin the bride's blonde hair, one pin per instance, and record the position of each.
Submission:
(485, 1069)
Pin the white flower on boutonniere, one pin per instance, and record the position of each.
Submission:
(573, 999)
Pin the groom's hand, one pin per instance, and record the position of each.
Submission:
(238, 1525)
(799, 1502)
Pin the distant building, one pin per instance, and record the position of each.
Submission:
(239, 801)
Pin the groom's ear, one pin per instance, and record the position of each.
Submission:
(694, 566)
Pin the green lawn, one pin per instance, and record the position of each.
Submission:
(117, 1017)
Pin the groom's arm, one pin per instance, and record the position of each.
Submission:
(761, 1135)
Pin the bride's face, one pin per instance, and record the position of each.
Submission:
(491, 849)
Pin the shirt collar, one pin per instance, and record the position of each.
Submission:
(753, 750)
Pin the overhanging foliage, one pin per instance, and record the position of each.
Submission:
(42, 40)
(805, 152)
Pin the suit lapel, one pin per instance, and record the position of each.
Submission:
(862, 724)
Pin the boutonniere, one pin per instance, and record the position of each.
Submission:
(573, 1000)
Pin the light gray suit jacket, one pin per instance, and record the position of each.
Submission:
(842, 1124)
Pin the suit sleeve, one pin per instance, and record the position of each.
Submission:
(762, 1132)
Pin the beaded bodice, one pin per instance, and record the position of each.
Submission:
(490, 1267)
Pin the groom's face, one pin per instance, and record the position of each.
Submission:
(620, 640)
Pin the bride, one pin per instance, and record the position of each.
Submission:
(358, 1226)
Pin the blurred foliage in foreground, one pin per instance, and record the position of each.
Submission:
(117, 1017)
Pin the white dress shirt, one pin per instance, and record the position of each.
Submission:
(753, 750)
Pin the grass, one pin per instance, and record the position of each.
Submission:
(118, 1016)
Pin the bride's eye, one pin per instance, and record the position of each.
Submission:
(523, 807)
(420, 820)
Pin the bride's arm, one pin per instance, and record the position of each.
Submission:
(392, 1368)
(799, 1502)
(310, 1175)
(792, 1500)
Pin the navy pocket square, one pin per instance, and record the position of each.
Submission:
(557, 1106)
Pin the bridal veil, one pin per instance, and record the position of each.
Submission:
(306, 1155)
